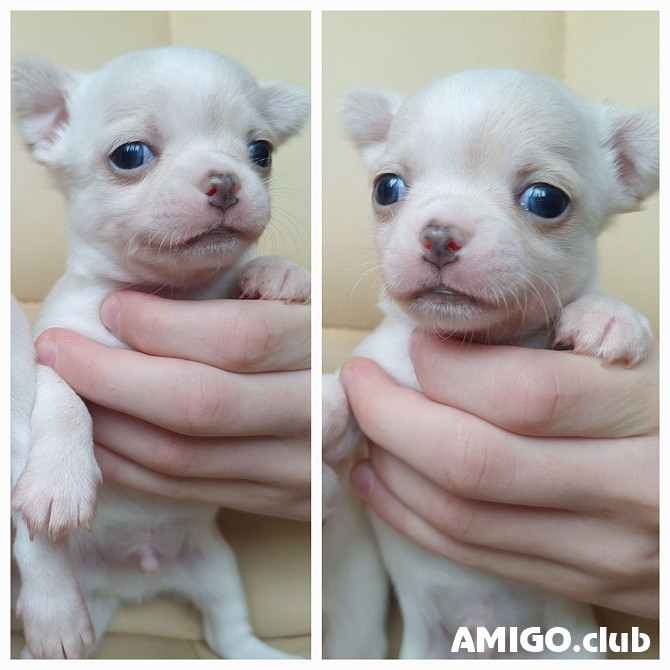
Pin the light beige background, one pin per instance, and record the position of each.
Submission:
(271, 45)
(605, 56)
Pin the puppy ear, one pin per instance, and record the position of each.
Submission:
(287, 108)
(633, 145)
(367, 114)
(41, 95)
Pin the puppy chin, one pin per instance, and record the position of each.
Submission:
(191, 263)
(475, 315)
(448, 312)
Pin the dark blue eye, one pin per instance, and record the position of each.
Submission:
(260, 154)
(389, 188)
(132, 155)
(545, 201)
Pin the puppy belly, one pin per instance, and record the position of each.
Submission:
(438, 597)
(138, 541)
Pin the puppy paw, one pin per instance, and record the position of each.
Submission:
(57, 501)
(273, 278)
(606, 327)
(59, 628)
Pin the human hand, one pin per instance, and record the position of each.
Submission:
(213, 406)
(541, 466)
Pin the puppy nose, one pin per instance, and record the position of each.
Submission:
(440, 244)
(222, 190)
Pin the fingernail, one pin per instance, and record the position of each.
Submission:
(362, 478)
(109, 314)
(47, 352)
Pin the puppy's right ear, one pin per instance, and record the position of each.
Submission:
(367, 114)
(42, 93)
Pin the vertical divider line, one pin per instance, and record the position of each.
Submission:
(316, 320)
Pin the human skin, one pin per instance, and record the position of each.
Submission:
(537, 465)
(212, 405)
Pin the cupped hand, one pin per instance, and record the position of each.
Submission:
(213, 405)
(540, 466)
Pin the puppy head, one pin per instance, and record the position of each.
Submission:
(164, 154)
(489, 189)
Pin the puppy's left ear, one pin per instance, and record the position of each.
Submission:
(286, 108)
(633, 149)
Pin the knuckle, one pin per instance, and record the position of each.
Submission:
(249, 341)
(146, 329)
(199, 404)
(479, 469)
(536, 401)
(456, 519)
(630, 565)
(172, 456)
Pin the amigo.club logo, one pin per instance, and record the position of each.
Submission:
(556, 640)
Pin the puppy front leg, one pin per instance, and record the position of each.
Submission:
(56, 491)
(56, 623)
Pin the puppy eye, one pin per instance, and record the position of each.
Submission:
(131, 156)
(389, 189)
(545, 201)
(260, 153)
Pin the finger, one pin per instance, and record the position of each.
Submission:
(235, 335)
(280, 461)
(182, 396)
(247, 496)
(539, 572)
(538, 532)
(474, 459)
(538, 392)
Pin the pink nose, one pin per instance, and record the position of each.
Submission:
(223, 190)
(439, 244)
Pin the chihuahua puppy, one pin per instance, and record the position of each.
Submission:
(489, 189)
(165, 158)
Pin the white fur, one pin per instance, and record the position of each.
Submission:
(467, 147)
(155, 228)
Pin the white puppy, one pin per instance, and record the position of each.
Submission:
(164, 156)
(489, 189)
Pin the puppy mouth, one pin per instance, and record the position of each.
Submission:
(214, 236)
(443, 296)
